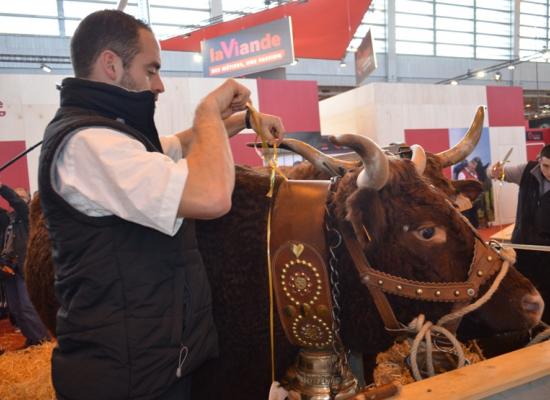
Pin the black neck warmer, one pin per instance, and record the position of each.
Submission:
(136, 109)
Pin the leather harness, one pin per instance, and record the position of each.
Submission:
(300, 278)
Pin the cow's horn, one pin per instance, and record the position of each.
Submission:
(377, 170)
(418, 158)
(332, 166)
(463, 148)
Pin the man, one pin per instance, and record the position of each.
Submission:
(532, 217)
(135, 303)
(12, 260)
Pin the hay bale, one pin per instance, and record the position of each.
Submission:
(26, 374)
(391, 366)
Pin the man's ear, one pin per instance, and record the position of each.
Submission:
(111, 65)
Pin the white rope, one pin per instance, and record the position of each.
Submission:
(532, 247)
(509, 256)
(424, 328)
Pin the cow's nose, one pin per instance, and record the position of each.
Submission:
(533, 304)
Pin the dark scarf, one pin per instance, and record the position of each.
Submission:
(136, 109)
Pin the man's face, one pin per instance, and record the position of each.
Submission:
(144, 71)
(545, 167)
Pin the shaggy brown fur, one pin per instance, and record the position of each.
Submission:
(39, 273)
(234, 251)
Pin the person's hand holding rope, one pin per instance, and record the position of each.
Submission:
(497, 171)
(269, 127)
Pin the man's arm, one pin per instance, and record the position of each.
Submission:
(16, 202)
(211, 178)
(509, 173)
(235, 123)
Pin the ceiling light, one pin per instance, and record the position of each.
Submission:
(511, 67)
(197, 57)
(498, 76)
(454, 83)
(45, 68)
(527, 105)
(343, 63)
(481, 74)
(294, 62)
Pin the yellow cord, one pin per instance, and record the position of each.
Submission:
(273, 163)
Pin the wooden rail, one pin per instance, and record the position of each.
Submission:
(494, 376)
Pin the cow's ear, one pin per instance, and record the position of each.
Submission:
(366, 215)
(469, 188)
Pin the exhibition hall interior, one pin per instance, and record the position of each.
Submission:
(383, 167)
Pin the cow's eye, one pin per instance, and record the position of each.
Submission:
(428, 233)
(432, 234)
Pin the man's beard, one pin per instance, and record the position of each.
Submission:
(128, 83)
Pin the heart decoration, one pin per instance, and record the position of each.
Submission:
(297, 249)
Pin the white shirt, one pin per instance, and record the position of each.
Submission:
(100, 171)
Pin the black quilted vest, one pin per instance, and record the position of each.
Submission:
(134, 302)
(533, 213)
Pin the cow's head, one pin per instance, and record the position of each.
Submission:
(408, 228)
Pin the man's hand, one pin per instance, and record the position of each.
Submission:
(229, 98)
(497, 171)
(270, 125)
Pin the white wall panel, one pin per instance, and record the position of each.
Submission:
(176, 106)
(383, 111)
(502, 139)
(30, 102)
(349, 112)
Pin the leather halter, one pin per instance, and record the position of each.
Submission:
(298, 248)
(485, 263)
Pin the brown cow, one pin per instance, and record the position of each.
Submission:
(416, 234)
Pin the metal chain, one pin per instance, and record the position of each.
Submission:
(341, 362)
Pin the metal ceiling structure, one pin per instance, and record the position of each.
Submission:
(322, 29)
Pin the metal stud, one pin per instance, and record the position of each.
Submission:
(471, 292)
(380, 282)
(438, 293)
(480, 273)
(489, 258)
(419, 291)
(399, 287)
(366, 278)
(457, 293)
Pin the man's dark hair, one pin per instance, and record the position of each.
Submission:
(105, 30)
(545, 152)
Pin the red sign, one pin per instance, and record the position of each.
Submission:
(260, 48)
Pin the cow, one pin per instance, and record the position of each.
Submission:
(413, 233)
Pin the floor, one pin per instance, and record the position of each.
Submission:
(10, 339)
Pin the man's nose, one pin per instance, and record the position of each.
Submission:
(158, 85)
